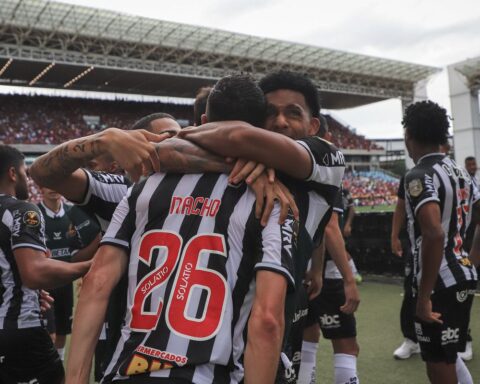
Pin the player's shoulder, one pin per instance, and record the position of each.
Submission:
(29, 213)
(324, 152)
(108, 178)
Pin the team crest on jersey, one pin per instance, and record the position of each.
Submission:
(465, 261)
(31, 218)
(415, 188)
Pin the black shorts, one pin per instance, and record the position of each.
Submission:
(325, 310)
(441, 342)
(63, 309)
(28, 355)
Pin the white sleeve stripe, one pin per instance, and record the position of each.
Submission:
(425, 201)
(278, 268)
(28, 245)
(110, 240)
(312, 158)
(88, 193)
(327, 175)
(339, 210)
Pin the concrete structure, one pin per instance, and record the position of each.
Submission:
(464, 83)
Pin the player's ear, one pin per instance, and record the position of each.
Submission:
(314, 126)
(203, 118)
(12, 174)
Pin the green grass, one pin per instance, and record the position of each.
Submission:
(379, 335)
(376, 208)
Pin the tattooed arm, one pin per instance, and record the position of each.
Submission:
(60, 169)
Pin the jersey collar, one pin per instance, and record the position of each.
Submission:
(52, 214)
(430, 155)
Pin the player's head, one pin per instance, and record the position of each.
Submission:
(236, 97)
(158, 123)
(13, 173)
(200, 104)
(293, 106)
(426, 127)
(50, 195)
(323, 131)
(471, 165)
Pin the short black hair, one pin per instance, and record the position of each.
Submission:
(237, 97)
(9, 157)
(144, 122)
(470, 158)
(200, 104)
(295, 82)
(427, 123)
(323, 129)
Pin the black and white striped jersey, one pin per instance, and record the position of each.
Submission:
(104, 192)
(195, 246)
(437, 178)
(22, 226)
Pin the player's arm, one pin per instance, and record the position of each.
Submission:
(347, 229)
(398, 221)
(241, 140)
(433, 235)
(475, 249)
(314, 276)
(39, 272)
(109, 264)
(335, 246)
(265, 328)
(87, 252)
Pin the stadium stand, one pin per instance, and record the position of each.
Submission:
(53, 120)
(345, 138)
(371, 188)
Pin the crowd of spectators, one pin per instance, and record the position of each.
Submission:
(344, 138)
(371, 188)
(53, 120)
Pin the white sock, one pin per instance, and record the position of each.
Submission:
(61, 353)
(307, 372)
(353, 266)
(345, 369)
(463, 374)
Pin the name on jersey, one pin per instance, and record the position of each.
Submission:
(457, 173)
(199, 206)
(333, 158)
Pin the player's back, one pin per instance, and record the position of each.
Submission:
(438, 178)
(195, 246)
(19, 305)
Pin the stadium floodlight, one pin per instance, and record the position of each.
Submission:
(78, 77)
(43, 73)
(5, 67)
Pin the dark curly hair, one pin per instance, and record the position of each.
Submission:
(295, 82)
(427, 123)
(237, 97)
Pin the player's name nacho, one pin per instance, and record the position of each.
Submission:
(200, 206)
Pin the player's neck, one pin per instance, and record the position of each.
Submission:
(53, 205)
(421, 151)
(7, 189)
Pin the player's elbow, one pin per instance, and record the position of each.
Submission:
(433, 234)
(266, 324)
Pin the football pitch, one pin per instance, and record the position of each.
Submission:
(379, 334)
(378, 326)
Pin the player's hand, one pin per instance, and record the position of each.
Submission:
(352, 297)
(424, 312)
(249, 171)
(46, 301)
(347, 230)
(397, 249)
(266, 195)
(134, 151)
(313, 282)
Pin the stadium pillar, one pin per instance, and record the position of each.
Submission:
(466, 116)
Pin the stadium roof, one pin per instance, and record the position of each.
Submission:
(471, 70)
(51, 44)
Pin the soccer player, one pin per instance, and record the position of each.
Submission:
(313, 166)
(441, 200)
(62, 226)
(187, 318)
(27, 353)
(410, 344)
